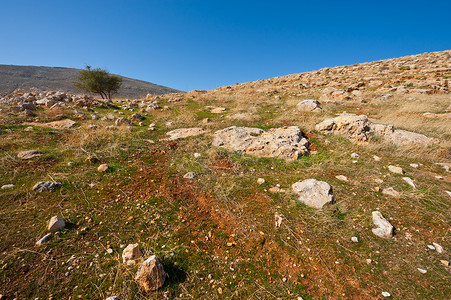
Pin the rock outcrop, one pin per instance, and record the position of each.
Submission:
(286, 143)
(182, 133)
(359, 129)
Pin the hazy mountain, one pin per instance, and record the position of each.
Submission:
(56, 78)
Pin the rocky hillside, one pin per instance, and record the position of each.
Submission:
(427, 73)
(61, 79)
(333, 184)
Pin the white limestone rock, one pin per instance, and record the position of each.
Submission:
(151, 274)
(56, 223)
(313, 193)
(384, 228)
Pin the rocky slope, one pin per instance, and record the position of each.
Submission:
(427, 73)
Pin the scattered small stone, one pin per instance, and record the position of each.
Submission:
(445, 262)
(112, 298)
(355, 155)
(216, 109)
(276, 189)
(46, 186)
(396, 170)
(378, 180)
(197, 155)
(131, 254)
(123, 121)
(354, 239)
(278, 220)
(445, 166)
(29, 128)
(342, 178)
(391, 192)
(386, 294)
(103, 168)
(7, 186)
(448, 192)
(384, 228)
(438, 247)
(109, 250)
(151, 275)
(29, 154)
(56, 223)
(93, 127)
(189, 175)
(431, 247)
(219, 291)
(422, 271)
(439, 177)
(369, 260)
(44, 239)
(409, 182)
(70, 164)
(414, 166)
(376, 158)
(261, 180)
(137, 117)
(92, 159)
(355, 161)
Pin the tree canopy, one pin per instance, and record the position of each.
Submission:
(98, 81)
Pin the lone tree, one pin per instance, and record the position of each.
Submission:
(98, 81)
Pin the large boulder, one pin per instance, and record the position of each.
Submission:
(286, 142)
(401, 137)
(308, 105)
(151, 275)
(313, 193)
(355, 127)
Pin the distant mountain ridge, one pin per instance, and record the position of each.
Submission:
(59, 78)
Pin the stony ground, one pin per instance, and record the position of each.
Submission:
(220, 212)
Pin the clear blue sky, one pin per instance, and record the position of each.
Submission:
(189, 44)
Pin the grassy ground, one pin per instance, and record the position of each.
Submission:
(215, 233)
